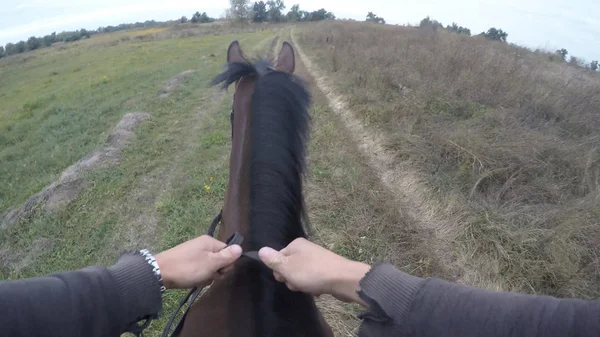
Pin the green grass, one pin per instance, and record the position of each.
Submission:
(57, 105)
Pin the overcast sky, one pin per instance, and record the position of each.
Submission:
(550, 24)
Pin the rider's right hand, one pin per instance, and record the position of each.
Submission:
(310, 268)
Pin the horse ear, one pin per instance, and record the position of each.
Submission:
(286, 61)
(235, 53)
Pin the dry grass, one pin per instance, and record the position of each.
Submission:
(505, 135)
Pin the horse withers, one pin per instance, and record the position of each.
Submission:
(263, 202)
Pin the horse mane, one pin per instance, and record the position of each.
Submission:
(279, 132)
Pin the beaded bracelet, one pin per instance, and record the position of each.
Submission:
(155, 268)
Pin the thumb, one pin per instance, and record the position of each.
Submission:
(227, 256)
(272, 258)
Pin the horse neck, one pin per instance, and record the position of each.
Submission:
(260, 186)
(236, 210)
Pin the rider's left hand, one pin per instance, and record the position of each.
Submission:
(195, 262)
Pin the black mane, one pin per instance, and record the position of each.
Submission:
(279, 132)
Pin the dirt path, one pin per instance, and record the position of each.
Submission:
(410, 193)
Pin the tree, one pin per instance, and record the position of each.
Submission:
(238, 10)
(183, 19)
(495, 34)
(83, 33)
(428, 23)
(294, 14)
(10, 49)
(195, 18)
(320, 14)
(576, 61)
(304, 16)
(371, 17)
(201, 18)
(21, 47)
(459, 29)
(2, 54)
(562, 53)
(33, 43)
(48, 40)
(259, 12)
(274, 13)
(204, 18)
(594, 65)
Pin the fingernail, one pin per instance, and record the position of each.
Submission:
(266, 252)
(235, 250)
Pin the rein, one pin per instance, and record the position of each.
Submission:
(193, 293)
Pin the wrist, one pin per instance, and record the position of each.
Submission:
(165, 272)
(346, 284)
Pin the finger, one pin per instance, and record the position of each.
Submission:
(212, 244)
(278, 277)
(294, 246)
(225, 257)
(226, 269)
(272, 258)
(291, 287)
(218, 276)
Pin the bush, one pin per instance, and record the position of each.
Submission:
(428, 23)
(459, 29)
(495, 34)
(371, 17)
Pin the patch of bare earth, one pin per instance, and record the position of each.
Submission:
(174, 83)
(71, 182)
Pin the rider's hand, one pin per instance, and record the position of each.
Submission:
(307, 267)
(195, 262)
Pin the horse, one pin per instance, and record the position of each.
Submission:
(263, 202)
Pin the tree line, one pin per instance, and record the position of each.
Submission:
(269, 11)
(561, 55)
(34, 43)
(272, 11)
(197, 18)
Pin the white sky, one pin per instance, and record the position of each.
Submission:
(550, 24)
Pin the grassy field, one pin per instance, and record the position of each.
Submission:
(170, 181)
(505, 140)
